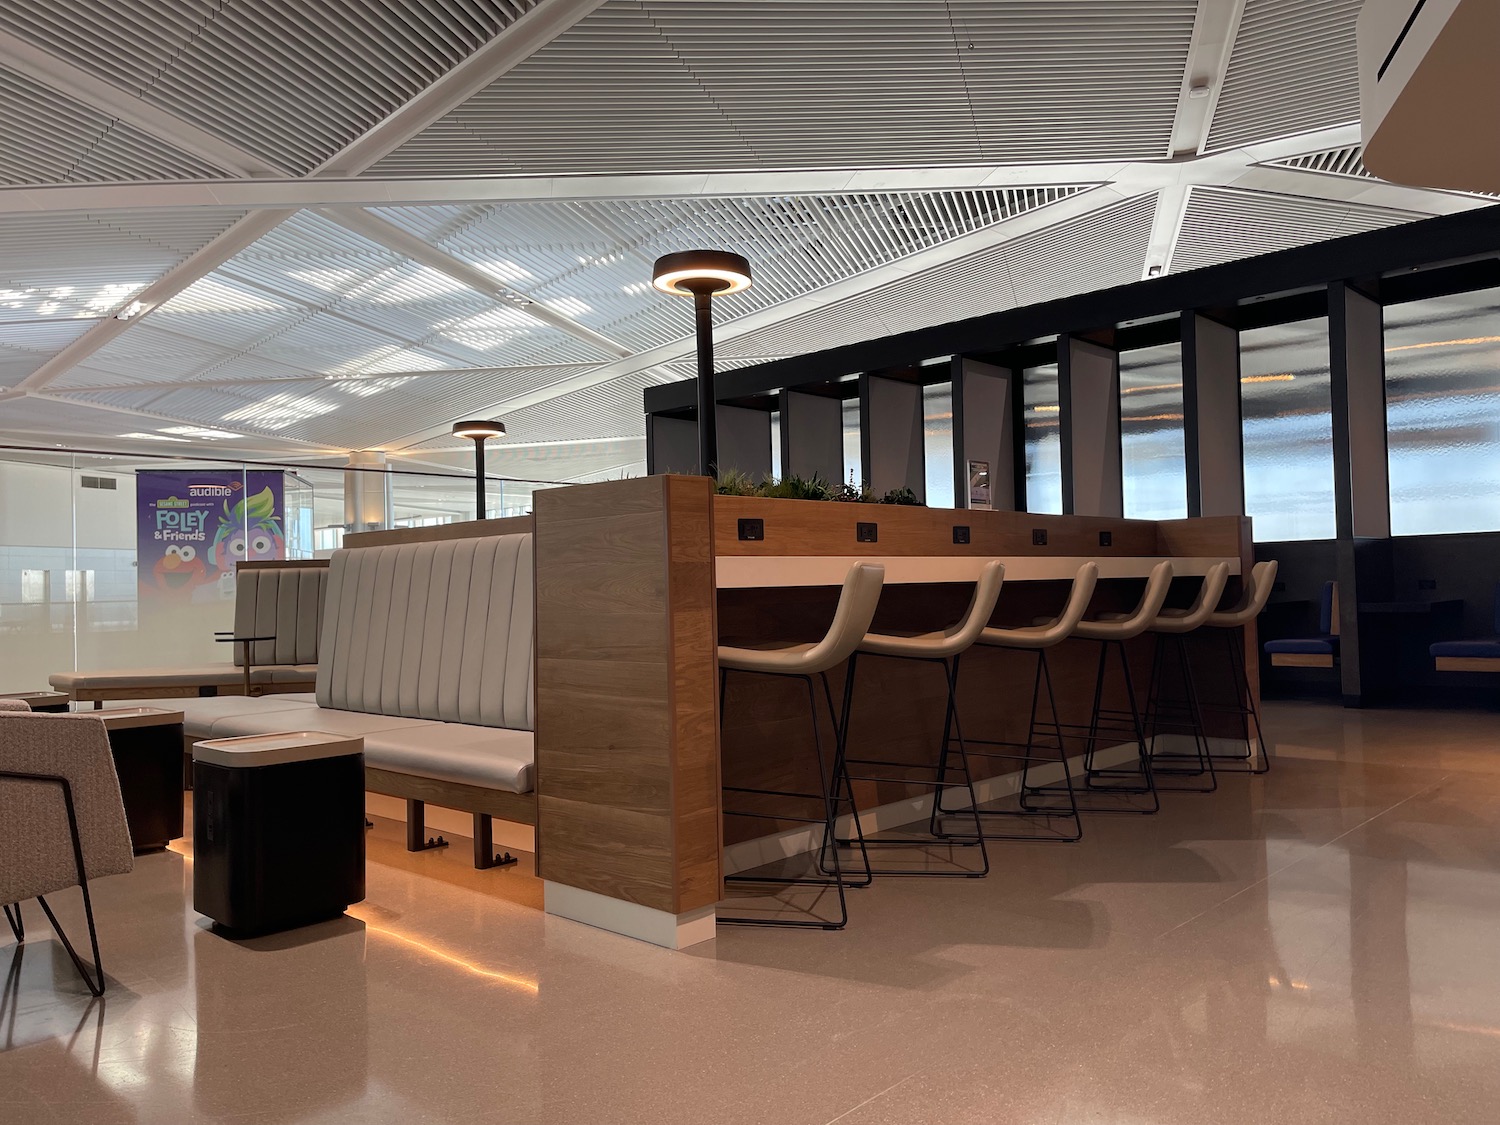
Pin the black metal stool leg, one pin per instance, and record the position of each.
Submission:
(17, 925)
(843, 784)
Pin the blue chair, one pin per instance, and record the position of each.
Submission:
(1312, 652)
(1481, 654)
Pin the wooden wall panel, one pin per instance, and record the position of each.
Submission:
(820, 527)
(627, 749)
(468, 529)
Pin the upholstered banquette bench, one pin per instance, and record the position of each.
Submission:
(283, 601)
(427, 653)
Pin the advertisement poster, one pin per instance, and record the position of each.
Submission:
(193, 528)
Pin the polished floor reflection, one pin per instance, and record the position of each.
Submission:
(1319, 945)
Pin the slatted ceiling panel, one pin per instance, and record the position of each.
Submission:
(85, 264)
(48, 138)
(665, 85)
(291, 82)
(1293, 69)
(1095, 251)
(592, 260)
(1222, 224)
(1346, 161)
(43, 336)
(16, 365)
(609, 410)
(34, 419)
(372, 410)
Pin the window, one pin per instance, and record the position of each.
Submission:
(1285, 395)
(1043, 441)
(937, 443)
(1442, 385)
(853, 461)
(1152, 462)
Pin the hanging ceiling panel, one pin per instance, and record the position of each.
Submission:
(292, 83)
(1293, 69)
(88, 264)
(664, 86)
(48, 138)
(1222, 224)
(592, 260)
(1095, 251)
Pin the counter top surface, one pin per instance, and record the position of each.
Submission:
(739, 572)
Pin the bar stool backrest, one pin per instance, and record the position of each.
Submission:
(1064, 624)
(851, 621)
(1141, 618)
(962, 634)
(1203, 605)
(1252, 599)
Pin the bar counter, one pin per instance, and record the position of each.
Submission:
(639, 580)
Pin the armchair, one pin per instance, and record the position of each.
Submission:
(62, 821)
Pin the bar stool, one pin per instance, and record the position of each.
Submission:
(1112, 634)
(851, 621)
(1171, 628)
(1037, 639)
(1244, 612)
(945, 648)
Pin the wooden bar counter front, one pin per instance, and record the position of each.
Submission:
(637, 579)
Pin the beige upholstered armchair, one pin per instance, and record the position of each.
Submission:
(62, 822)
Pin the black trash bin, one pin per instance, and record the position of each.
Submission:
(278, 829)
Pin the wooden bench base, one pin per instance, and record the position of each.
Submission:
(1468, 663)
(484, 804)
(1301, 660)
(100, 696)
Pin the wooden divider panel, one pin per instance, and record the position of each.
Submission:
(626, 721)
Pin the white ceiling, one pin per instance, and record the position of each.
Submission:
(346, 224)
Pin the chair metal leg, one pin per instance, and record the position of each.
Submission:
(17, 924)
(952, 735)
(843, 785)
(825, 794)
(95, 982)
(1201, 758)
(1095, 779)
(1027, 794)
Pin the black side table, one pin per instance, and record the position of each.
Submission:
(278, 829)
(147, 746)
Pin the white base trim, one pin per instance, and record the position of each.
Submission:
(671, 931)
(509, 836)
(795, 841)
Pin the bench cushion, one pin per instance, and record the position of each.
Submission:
(1481, 646)
(489, 757)
(438, 630)
(308, 717)
(207, 675)
(1318, 646)
(199, 716)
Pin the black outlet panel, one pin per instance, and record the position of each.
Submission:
(1038, 536)
(960, 534)
(752, 530)
(1426, 583)
(1106, 539)
(866, 533)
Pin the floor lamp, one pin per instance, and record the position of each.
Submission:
(703, 275)
(480, 431)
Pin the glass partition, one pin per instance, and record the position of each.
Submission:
(1442, 381)
(1286, 403)
(937, 443)
(1043, 440)
(1153, 464)
(117, 561)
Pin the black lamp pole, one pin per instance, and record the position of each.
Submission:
(701, 274)
(708, 410)
(479, 430)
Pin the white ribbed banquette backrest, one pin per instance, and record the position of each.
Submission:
(431, 631)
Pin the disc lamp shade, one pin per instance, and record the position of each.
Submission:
(703, 275)
(689, 272)
(480, 430)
